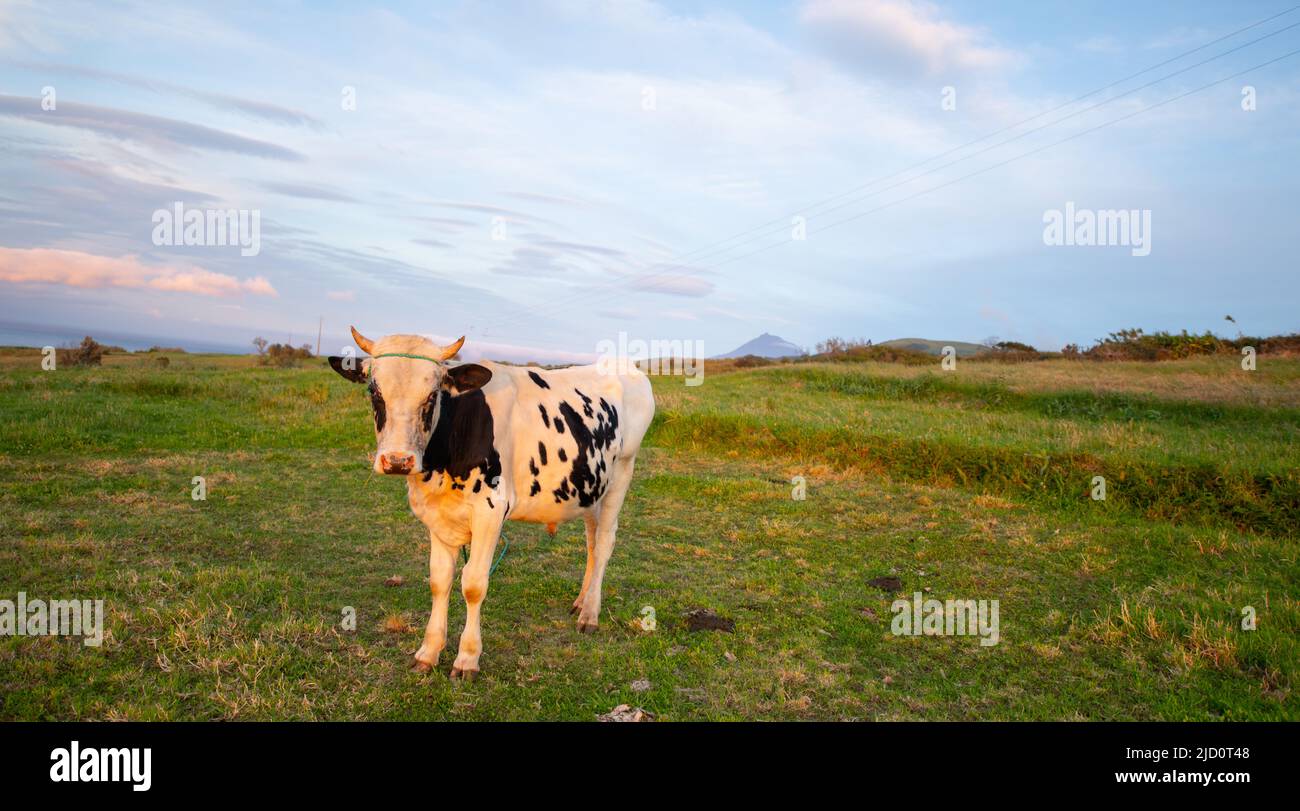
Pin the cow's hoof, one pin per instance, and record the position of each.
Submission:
(577, 606)
(420, 667)
(587, 627)
(466, 675)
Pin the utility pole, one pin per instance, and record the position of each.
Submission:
(319, 327)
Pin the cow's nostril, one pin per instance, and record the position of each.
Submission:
(397, 462)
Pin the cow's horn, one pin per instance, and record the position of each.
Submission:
(365, 343)
(451, 349)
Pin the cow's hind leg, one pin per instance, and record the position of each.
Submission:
(474, 585)
(606, 526)
(442, 566)
(590, 518)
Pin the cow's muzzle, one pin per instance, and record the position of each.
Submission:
(397, 464)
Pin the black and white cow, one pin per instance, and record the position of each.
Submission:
(483, 443)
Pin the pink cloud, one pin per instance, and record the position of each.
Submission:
(910, 33)
(78, 269)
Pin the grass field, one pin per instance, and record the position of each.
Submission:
(966, 484)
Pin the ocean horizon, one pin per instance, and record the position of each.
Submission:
(37, 335)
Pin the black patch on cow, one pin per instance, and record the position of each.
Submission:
(564, 457)
(535, 489)
(532, 467)
(588, 470)
(541, 451)
(377, 403)
(546, 418)
(538, 380)
(457, 485)
(612, 414)
(478, 485)
(561, 493)
(489, 500)
(559, 426)
(461, 442)
(586, 404)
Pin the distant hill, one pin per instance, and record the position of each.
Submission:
(964, 348)
(765, 346)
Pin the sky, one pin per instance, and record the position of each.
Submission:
(544, 176)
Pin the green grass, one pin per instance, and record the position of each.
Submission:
(972, 485)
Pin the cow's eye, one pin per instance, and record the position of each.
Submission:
(377, 403)
(426, 410)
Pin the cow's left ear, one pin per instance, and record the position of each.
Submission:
(349, 368)
(465, 377)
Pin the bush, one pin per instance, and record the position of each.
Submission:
(1134, 344)
(863, 353)
(1275, 345)
(1013, 346)
(1011, 352)
(839, 346)
(89, 353)
(284, 355)
(751, 361)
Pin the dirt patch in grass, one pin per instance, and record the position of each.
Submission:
(889, 585)
(706, 619)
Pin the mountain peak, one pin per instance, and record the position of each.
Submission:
(766, 345)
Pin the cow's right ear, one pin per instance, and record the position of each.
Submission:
(349, 367)
(466, 377)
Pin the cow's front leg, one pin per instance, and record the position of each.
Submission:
(442, 567)
(474, 585)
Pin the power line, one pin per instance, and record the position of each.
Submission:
(1035, 151)
(675, 269)
(1029, 153)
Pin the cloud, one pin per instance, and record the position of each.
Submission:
(78, 269)
(341, 295)
(307, 191)
(476, 349)
(508, 213)
(679, 315)
(619, 313)
(265, 111)
(899, 36)
(532, 262)
(447, 225)
(535, 197)
(19, 29)
(580, 248)
(148, 129)
(75, 203)
(674, 284)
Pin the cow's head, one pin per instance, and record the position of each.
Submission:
(405, 376)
